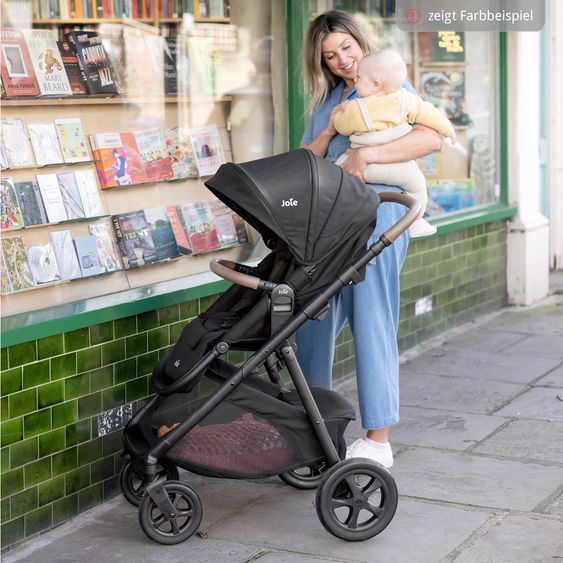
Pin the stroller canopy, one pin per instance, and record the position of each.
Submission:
(311, 204)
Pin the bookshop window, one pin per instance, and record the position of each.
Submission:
(114, 113)
(458, 74)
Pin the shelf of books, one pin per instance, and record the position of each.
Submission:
(107, 137)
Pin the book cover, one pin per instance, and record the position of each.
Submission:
(45, 143)
(72, 140)
(224, 223)
(10, 212)
(114, 44)
(87, 252)
(441, 46)
(240, 226)
(52, 197)
(107, 254)
(43, 264)
(200, 227)
(178, 229)
(65, 254)
(155, 45)
(18, 79)
(202, 54)
(3, 157)
(5, 284)
(135, 163)
(208, 149)
(111, 163)
(72, 68)
(71, 196)
(95, 65)
(134, 239)
(179, 149)
(17, 264)
(31, 203)
(139, 63)
(446, 91)
(17, 145)
(170, 70)
(49, 70)
(153, 152)
(89, 193)
(162, 235)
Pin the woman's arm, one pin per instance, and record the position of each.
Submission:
(319, 146)
(419, 142)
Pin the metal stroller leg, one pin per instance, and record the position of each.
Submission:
(309, 403)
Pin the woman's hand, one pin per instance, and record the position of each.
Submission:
(356, 161)
(330, 129)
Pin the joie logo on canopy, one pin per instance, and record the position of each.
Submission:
(289, 202)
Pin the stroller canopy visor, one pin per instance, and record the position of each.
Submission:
(308, 202)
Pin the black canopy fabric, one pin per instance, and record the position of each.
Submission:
(311, 204)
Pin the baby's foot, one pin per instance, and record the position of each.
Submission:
(421, 228)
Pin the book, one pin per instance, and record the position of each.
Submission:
(153, 153)
(45, 143)
(71, 196)
(43, 263)
(87, 252)
(111, 163)
(179, 149)
(202, 54)
(96, 68)
(107, 254)
(134, 239)
(170, 69)
(200, 227)
(139, 62)
(3, 157)
(49, 70)
(155, 45)
(441, 46)
(162, 234)
(65, 254)
(52, 197)
(31, 203)
(208, 149)
(89, 193)
(72, 68)
(135, 163)
(17, 265)
(72, 140)
(114, 44)
(16, 69)
(240, 226)
(17, 145)
(10, 212)
(224, 223)
(5, 284)
(178, 229)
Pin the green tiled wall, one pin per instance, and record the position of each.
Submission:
(54, 463)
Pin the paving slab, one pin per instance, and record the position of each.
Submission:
(543, 403)
(456, 393)
(543, 319)
(517, 538)
(112, 533)
(544, 346)
(475, 480)
(419, 532)
(433, 428)
(287, 557)
(527, 439)
(555, 507)
(552, 379)
(480, 338)
(479, 364)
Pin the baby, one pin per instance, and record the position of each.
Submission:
(383, 112)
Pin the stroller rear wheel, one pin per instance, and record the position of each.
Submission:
(132, 483)
(357, 499)
(188, 512)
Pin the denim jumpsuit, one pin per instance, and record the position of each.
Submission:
(371, 307)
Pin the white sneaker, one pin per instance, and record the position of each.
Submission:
(421, 228)
(382, 455)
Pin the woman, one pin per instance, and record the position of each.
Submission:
(334, 45)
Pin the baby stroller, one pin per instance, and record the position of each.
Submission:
(316, 220)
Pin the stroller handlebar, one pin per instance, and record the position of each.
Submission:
(230, 271)
(413, 213)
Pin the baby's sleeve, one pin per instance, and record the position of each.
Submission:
(425, 113)
(347, 121)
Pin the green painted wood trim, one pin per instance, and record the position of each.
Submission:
(26, 327)
(473, 217)
(297, 22)
(503, 109)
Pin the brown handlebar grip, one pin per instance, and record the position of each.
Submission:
(408, 219)
(225, 269)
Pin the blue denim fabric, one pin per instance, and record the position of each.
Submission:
(371, 307)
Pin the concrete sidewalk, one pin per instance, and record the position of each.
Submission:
(479, 467)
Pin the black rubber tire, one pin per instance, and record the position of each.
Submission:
(131, 482)
(188, 510)
(344, 490)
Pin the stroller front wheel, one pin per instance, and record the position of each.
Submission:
(188, 512)
(131, 482)
(357, 499)
(305, 478)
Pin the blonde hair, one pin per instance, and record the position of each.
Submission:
(386, 66)
(318, 79)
